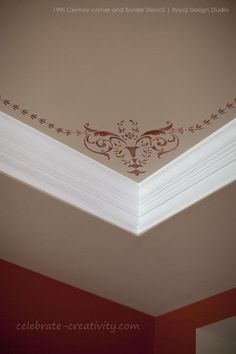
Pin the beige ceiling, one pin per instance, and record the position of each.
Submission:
(103, 68)
(187, 258)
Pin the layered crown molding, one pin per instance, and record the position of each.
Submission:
(52, 167)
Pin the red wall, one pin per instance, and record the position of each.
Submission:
(28, 296)
(176, 331)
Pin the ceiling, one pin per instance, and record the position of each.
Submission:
(73, 68)
(187, 258)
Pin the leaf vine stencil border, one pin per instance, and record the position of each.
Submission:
(128, 144)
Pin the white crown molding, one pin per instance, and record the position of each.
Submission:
(200, 171)
(47, 164)
(50, 166)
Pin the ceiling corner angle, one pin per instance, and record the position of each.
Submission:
(54, 168)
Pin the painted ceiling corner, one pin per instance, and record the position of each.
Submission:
(129, 123)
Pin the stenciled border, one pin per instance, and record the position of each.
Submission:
(128, 144)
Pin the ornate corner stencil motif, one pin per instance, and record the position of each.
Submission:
(129, 145)
(132, 147)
